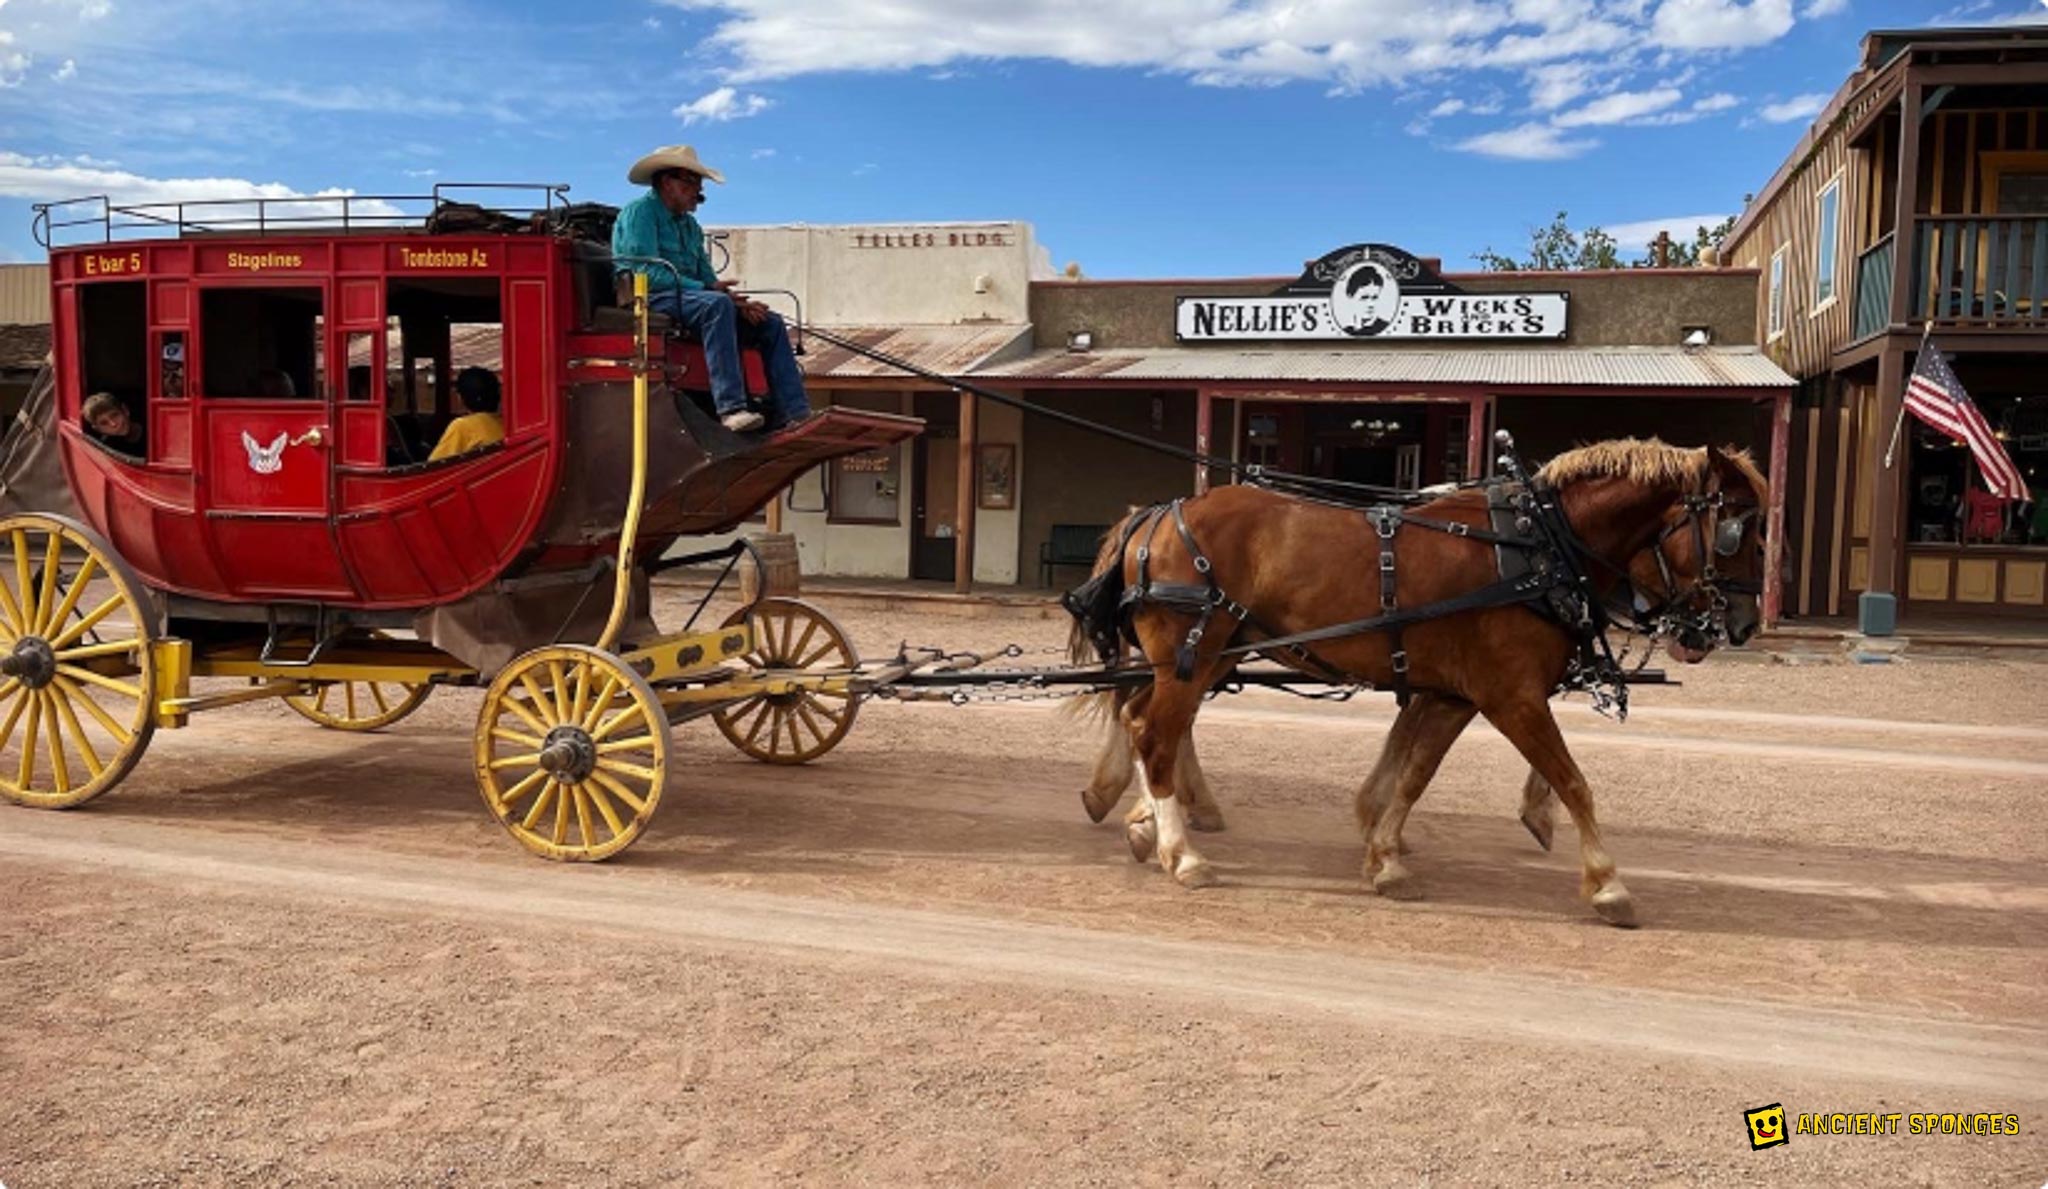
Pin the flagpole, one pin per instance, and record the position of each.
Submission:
(1900, 425)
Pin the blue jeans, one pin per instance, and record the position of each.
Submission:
(719, 327)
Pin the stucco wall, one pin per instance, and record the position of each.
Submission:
(1646, 307)
(890, 274)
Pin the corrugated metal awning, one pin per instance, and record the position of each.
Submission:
(1493, 367)
(23, 348)
(948, 350)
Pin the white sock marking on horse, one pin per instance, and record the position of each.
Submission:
(1171, 822)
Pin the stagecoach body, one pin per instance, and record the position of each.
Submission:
(248, 496)
(280, 523)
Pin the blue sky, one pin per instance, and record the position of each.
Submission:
(1143, 138)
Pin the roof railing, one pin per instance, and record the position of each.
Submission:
(98, 219)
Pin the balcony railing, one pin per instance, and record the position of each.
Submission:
(1873, 289)
(1977, 270)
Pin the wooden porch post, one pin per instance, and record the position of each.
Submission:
(1204, 412)
(1878, 607)
(1774, 537)
(963, 516)
(1476, 465)
(1877, 610)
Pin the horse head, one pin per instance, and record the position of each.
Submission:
(1698, 583)
(1685, 525)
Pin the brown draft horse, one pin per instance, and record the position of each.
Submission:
(1422, 732)
(1273, 555)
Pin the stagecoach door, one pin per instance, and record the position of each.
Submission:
(266, 390)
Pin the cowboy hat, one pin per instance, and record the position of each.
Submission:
(675, 156)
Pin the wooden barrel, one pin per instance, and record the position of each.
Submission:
(776, 573)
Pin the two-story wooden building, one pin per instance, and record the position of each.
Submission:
(1915, 207)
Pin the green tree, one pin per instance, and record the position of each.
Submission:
(1685, 255)
(1555, 247)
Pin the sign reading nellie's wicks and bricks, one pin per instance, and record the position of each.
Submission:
(1371, 291)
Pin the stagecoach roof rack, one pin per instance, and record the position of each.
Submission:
(97, 219)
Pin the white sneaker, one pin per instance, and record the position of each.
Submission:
(742, 421)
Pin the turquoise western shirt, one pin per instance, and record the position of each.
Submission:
(647, 228)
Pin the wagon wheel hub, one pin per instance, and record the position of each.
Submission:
(33, 662)
(569, 754)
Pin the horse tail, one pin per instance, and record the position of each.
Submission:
(1097, 604)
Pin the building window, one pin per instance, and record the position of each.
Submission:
(865, 487)
(1827, 231)
(1777, 295)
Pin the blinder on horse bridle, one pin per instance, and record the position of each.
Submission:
(1715, 534)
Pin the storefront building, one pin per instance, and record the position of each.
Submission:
(1369, 366)
(1914, 211)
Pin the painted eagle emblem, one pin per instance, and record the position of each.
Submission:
(264, 460)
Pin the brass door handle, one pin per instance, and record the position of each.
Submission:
(316, 436)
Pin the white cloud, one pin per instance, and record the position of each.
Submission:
(1799, 107)
(1720, 24)
(1551, 87)
(1349, 44)
(1823, 8)
(652, 22)
(1618, 108)
(1633, 237)
(68, 70)
(421, 173)
(1717, 102)
(1528, 142)
(45, 179)
(760, 154)
(726, 103)
(866, 168)
(14, 67)
(1449, 107)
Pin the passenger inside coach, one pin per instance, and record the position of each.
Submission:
(108, 419)
(481, 426)
(275, 381)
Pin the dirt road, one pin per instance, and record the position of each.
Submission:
(282, 955)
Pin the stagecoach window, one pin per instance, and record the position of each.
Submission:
(170, 352)
(436, 327)
(114, 342)
(261, 344)
(363, 368)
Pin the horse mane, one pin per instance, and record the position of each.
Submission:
(1648, 461)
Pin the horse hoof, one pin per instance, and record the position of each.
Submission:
(1197, 874)
(1539, 828)
(1097, 810)
(1208, 821)
(1395, 883)
(1144, 840)
(1615, 906)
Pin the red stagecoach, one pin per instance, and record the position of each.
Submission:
(290, 364)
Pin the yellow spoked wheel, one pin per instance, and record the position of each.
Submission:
(77, 670)
(798, 726)
(360, 705)
(571, 752)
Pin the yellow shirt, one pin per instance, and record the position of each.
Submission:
(465, 434)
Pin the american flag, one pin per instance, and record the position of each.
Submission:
(1934, 395)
